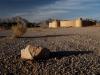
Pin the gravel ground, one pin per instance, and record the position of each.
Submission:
(70, 53)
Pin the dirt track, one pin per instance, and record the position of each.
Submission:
(66, 57)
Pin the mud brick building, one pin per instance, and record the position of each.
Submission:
(72, 23)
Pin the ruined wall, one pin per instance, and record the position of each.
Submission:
(78, 23)
(54, 24)
(88, 23)
(67, 23)
(71, 23)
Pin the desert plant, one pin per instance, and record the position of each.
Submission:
(18, 30)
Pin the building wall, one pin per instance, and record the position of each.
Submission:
(67, 23)
(54, 24)
(78, 22)
(71, 23)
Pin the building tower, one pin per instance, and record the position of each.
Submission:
(78, 22)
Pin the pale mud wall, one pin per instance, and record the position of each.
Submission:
(78, 23)
(66, 23)
(54, 24)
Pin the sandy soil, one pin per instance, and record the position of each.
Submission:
(71, 52)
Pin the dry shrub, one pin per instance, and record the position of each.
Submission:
(18, 30)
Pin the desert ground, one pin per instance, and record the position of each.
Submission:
(73, 52)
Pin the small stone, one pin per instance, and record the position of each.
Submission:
(97, 52)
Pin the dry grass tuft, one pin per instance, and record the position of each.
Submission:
(18, 30)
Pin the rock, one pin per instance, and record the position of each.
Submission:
(34, 52)
(41, 53)
(25, 54)
(97, 52)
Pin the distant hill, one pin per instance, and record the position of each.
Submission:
(8, 22)
(13, 19)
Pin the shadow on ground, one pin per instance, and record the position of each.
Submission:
(47, 36)
(60, 54)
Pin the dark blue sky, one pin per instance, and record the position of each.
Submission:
(36, 10)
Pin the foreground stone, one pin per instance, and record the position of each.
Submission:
(34, 52)
(97, 52)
